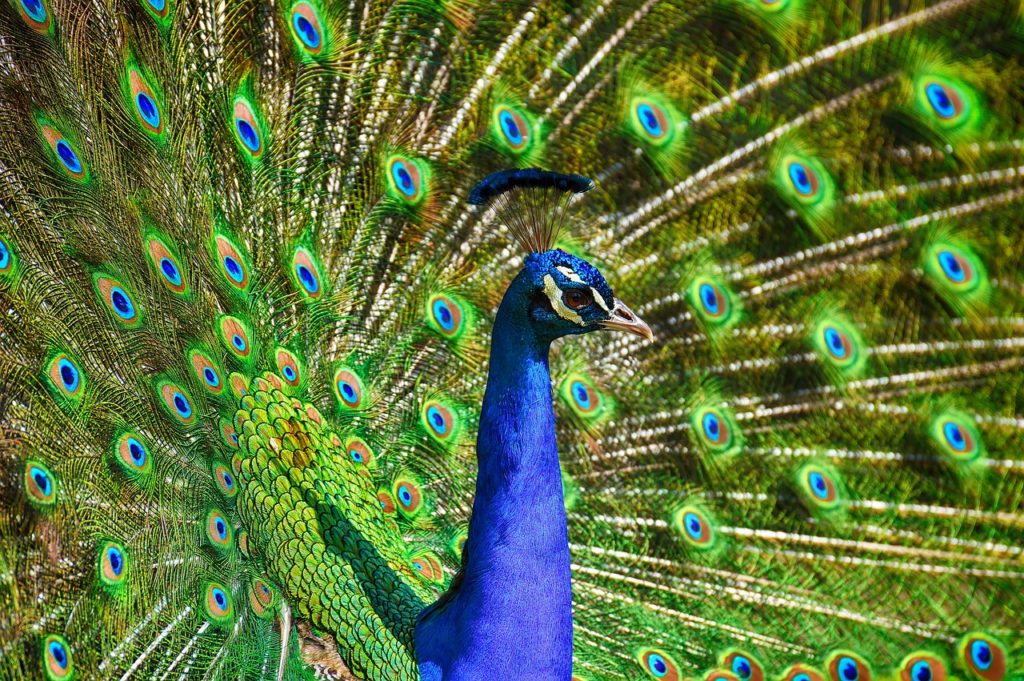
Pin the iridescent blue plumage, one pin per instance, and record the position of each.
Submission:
(511, 607)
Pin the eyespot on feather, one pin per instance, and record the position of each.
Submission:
(144, 103)
(262, 598)
(712, 301)
(387, 502)
(408, 495)
(716, 430)
(239, 384)
(923, 666)
(955, 268)
(956, 272)
(307, 28)
(112, 564)
(445, 315)
(217, 604)
(160, 9)
(657, 664)
(36, 14)
(247, 128)
(359, 452)
(349, 389)
(236, 337)
(166, 265)
(306, 273)
(176, 402)
(228, 434)
(582, 397)
(803, 181)
(225, 480)
(407, 179)
(982, 657)
(8, 259)
(845, 665)
(818, 487)
(118, 301)
(218, 531)
(651, 121)
(694, 527)
(40, 485)
(512, 129)
(439, 420)
(132, 455)
(802, 672)
(65, 378)
(65, 153)
(288, 366)
(943, 100)
(231, 262)
(745, 666)
(956, 435)
(242, 541)
(58, 664)
(206, 371)
(839, 346)
(803, 178)
(427, 565)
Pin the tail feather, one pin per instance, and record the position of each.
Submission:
(246, 307)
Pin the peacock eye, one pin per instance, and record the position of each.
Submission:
(575, 298)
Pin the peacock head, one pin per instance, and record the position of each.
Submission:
(568, 296)
(563, 294)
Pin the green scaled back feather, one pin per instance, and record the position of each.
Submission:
(246, 312)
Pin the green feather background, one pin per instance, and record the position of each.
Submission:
(245, 310)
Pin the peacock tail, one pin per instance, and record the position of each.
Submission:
(246, 307)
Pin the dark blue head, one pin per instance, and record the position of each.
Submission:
(566, 295)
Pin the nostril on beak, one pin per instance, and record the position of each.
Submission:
(623, 319)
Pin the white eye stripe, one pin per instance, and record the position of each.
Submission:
(554, 295)
(570, 274)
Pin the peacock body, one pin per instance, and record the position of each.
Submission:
(248, 305)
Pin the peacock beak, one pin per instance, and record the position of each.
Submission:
(623, 319)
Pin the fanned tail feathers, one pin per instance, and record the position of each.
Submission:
(245, 307)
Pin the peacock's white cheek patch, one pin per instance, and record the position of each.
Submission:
(554, 294)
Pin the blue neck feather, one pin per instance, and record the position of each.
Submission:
(512, 612)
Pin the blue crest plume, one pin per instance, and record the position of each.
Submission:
(531, 202)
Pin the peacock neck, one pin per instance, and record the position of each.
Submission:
(512, 610)
(518, 551)
(516, 449)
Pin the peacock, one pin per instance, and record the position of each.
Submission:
(456, 340)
